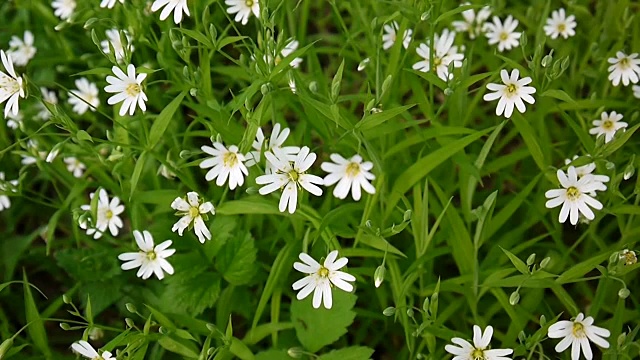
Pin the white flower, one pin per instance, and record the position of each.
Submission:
(150, 259)
(275, 142)
(22, 51)
(503, 34)
(389, 36)
(52, 154)
(177, 6)
(109, 3)
(10, 86)
(113, 36)
(587, 170)
(292, 86)
(465, 351)
(225, 163)
(63, 8)
(625, 67)
(322, 278)
(574, 196)
(559, 24)
(85, 349)
(608, 125)
(628, 256)
(15, 121)
(445, 54)
(106, 217)
(473, 23)
(636, 91)
(74, 166)
(578, 333)
(128, 90)
(85, 97)
(5, 202)
(289, 176)
(511, 93)
(243, 9)
(292, 45)
(363, 64)
(350, 174)
(191, 211)
(48, 97)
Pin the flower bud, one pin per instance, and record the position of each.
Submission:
(5, 346)
(531, 259)
(65, 326)
(621, 339)
(514, 298)
(543, 320)
(545, 262)
(313, 87)
(390, 311)
(378, 276)
(295, 352)
(363, 64)
(410, 312)
(129, 322)
(66, 299)
(131, 308)
(624, 293)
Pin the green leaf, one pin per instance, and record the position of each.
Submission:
(198, 36)
(178, 346)
(371, 121)
(35, 329)
(83, 264)
(229, 40)
(249, 205)
(137, 170)
(558, 94)
(83, 136)
(350, 353)
(459, 9)
(162, 121)
(273, 355)
(610, 147)
(432, 79)
(335, 83)
(519, 264)
(95, 71)
(530, 138)
(380, 243)
(236, 260)
(192, 289)
(580, 269)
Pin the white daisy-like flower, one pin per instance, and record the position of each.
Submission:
(445, 53)
(389, 36)
(75, 166)
(608, 125)
(5, 202)
(113, 38)
(276, 142)
(11, 87)
(225, 163)
(321, 278)
(63, 8)
(587, 170)
(292, 45)
(109, 3)
(85, 97)
(559, 24)
(574, 196)
(624, 67)
(49, 97)
(473, 24)
(128, 90)
(628, 256)
(150, 259)
(243, 9)
(15, 121)
(511, 93)
(351, 174)
(578, 333)
(21, 51)
(177, 6)
(107, 215)
(503, 34)
(464, 350)
(636, 91)
(192, 211)
(85, 349)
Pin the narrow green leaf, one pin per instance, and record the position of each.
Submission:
(83, 136)
(432, 79)
(447, 14)
(371, 121)
(558, 94)
(137, 170)
(229, 40)
(350, 353)
(162, 121)
(580, 269)
(35, 329)
(529, 137)
(610, 147)
(335, 83)
(178, 346)
(519, 264)
(198, 36)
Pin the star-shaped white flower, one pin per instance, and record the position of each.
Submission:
(390, 35)
(75, 166)
(574, 196)
(225, 163)
(511, 93)
(473, 24)
(177, 6)
(85, 349)
(608, 125)
(289, 176)
(107, 216)
(49, 97)
(464, 350)
(192, 210)
(559, 24)
(21, 51)
(85, 97)
(276, 141)
(628, 257)
(150, 259)
(109, 3)
(624, 67)
(63, 8)
(5, 202)
(587, 170)
(11, 87)
(128, 90)
(321, 278)
(503, 34)
(352, 174)
(445, 53)
(578, 333)
(243, 9)
(113, 38)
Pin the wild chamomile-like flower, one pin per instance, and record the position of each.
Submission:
(390, 35)
(276, 141)
(85, 97)
(150, 259)
(351, 174)
(85, 349)
(5, 202)
(289, 176)
(511, 93)
(128, 90)
(192, 211)
(574, 196)
(445, 53)
(63, 8)
(559, 24)
(587, 170)
(74, 166)
(21, 51)
(50, 98)
(503, 34)
(109, 3)
(177, 6)
(473, 24)
(624, 67)
(321, 278)
(290, 47)
(578, 333)
(225, 163)
(608, 125)
(11, 87)
(113, 38)
(243, 9)
(464, 350)
(107, 216)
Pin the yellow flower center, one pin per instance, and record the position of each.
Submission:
(9, 84)
(353, 169)
(511, 89)
(578, 330)
(294, 175)
(151, 255)
(624, 63)
(323, 272)
(249, 3)
(630, 258)
(133, 89)
(608, 125)
(230, 159)
(504, 36)
(562, 27)
(109, 214)
(477, 354)
(573, 193)
(194, 212)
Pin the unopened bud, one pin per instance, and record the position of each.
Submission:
(410, 312)
(628, 172)
(378, 275)
(624, 293)
(5, 346)
(545, 262)
(543, 320)
(621, 339)
(425, 15)
(546, 60)
(295, 352)
(131, 308)
(363, 64)
(66, 299)
(129, 322)
(448, 91)
(313, 87)
(390, 311)
(531, 259)
(523, 39)
(514, 298)
(65, 326)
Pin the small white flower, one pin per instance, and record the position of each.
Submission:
(74, 166)
(85, 97)
(624, 67)
(445, 53)
(21, 51)
(389, 36)
(128, 90)
(503, 34)
(292, 86)
(464, 350)
(15, 121)
(5, 202)
(511, 93)
(289, 176)
(225, 163)
(113, 38)
(150, 259)
(574, 196)
(321, 278)
(628, 256)
(578, 333)
(636, 91)
(292, 45)
(48, 97)
(192, 212)
(363, 64)
(52, 155)
(63, 8)
(109, 3)
(608, 125)
(560, 25)
(106, 217)
(11, 86)
(352, 174)
(243, 9)
(177, 6)
(473, 24)
(275, 142)
(587, 171)
(85, 349)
